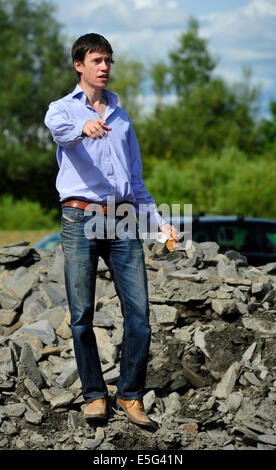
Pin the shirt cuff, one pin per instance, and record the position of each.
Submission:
(79, 127)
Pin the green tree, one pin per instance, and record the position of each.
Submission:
(268, 127)
(35, 70)
(208, 113)
(159, 73)
(191, 63)
(126, 80)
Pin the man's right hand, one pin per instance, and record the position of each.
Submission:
(95, 128)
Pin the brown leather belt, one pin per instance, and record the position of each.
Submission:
(95, 207)
(83, 205)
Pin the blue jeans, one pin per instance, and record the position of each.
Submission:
(125, 260)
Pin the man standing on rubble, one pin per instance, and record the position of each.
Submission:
(98, 157)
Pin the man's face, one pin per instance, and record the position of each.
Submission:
(95, 69)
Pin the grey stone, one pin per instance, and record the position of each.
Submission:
(101, 266)
(184, 275)
(4, 442)
(8, 428)
(237, 257)
(34, 417)
(107, 351)
(42, 329)
(54, 315)
(33, 306)
(159, 249)
(20, 338)
(172, 404)
(149, 399)
(226, 268)
(8, 317)
(255, 274)
(12, 253)
(52, 294)
(240, 295)
(252, 379)
(7, 361)
(242, 308)
(32, 388)
(199, 340)
(247, 355)
(92, 444)
(103, 319)
(209, 250)
(183, 334)
(56, 271)
(186, 291)
(233, 401)
(27, 367)
(34, 404)
(195, 379)
(268, 267)
(270, 297)
(224, 306)
(13, 410)
(194, 250)
(260, 325)
(22, 282)
(6, 383)
(165, 315)
(112, 375)
(8, 301)
(268, 439)
(37, 438)
(227, 383)
(69, 374)
(260, 288)
(223, 294)
(62, 399)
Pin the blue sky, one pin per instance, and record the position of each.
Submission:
(239, 32)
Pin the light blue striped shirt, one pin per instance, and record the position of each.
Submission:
(102, 168)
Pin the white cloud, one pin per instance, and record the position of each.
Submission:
(248, 55)
(133, 15)
(244, 36)
(255, 21)
(146, 4)
(259, 8)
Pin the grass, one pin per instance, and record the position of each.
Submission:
(8, 236)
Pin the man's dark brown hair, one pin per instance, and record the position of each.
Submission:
(91, 42)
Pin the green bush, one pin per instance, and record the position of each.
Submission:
(225, 182)
(25, 215)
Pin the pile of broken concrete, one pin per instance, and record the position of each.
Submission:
(211, 381)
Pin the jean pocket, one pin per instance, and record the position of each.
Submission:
(72, 214)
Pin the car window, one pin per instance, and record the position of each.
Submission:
(233, 237)
(200, 236)
(270, 240)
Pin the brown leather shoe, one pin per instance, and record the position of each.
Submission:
(134, 410)
(96, 409)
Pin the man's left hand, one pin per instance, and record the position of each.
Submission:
(170, 231)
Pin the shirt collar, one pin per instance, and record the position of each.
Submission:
(112, 98)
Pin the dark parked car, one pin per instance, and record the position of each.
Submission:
(254, 238)
(49, 243)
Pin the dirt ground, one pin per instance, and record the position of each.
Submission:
(33, 236)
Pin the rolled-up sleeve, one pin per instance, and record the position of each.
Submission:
(66, 132)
